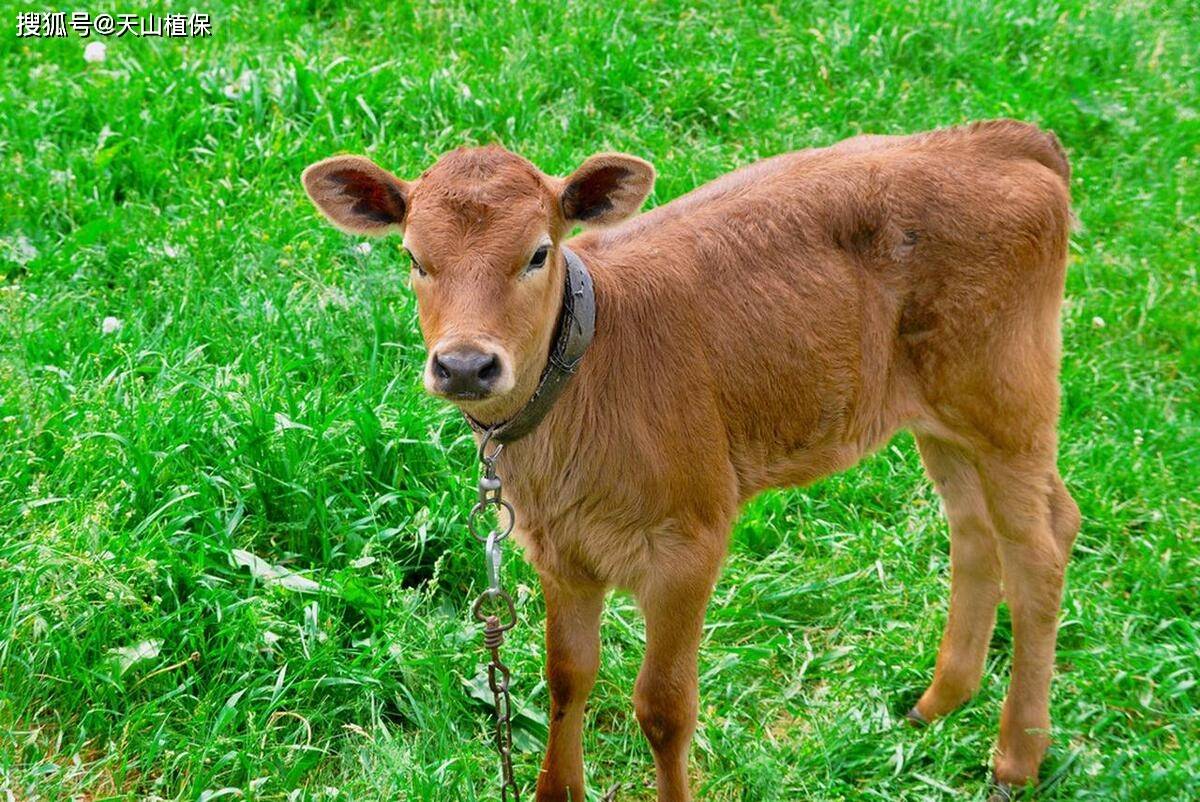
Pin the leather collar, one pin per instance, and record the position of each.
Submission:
(575, 328)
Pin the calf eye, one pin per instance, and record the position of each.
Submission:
(415, 265)
(538, 259)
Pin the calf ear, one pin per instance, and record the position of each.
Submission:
(357, 195)
(606, 189)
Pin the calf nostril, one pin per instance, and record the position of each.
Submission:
(490, 369)
(440, 370)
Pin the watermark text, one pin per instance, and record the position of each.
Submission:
(60, 24)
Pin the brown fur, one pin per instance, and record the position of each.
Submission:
(765, 330)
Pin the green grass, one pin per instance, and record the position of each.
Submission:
(139, 660)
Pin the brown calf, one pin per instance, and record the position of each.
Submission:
(764, 330)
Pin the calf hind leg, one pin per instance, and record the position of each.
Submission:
(974, 581)
(665, 697)
(1064, 514)
(1036, 525)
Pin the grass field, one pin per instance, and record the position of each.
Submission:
(256, 394)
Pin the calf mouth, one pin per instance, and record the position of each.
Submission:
(465, 395)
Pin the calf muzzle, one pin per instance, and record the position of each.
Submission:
(465, 373)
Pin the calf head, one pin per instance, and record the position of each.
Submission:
(483, 228)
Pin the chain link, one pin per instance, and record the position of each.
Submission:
(494, 608)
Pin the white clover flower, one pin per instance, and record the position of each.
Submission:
(95, 52)
(1098, 322)
(111, 325)
(363, 248)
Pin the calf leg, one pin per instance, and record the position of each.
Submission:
(665, 697)
(974, 581)
(1034, 524)
(1064, 515)
(572, 661)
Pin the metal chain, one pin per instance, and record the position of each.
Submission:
(494, 608)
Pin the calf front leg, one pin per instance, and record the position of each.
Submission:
(665, 697)
(572, 661)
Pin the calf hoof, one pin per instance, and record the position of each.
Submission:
(1000, 792)
(914, 718)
